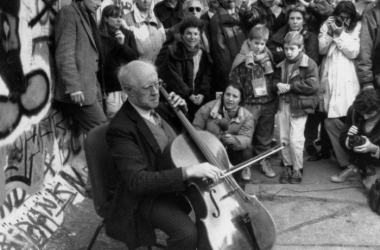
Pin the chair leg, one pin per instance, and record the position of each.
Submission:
(96, 233)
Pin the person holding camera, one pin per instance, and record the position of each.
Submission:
(360, 135)
(339, 41)
(119, 47)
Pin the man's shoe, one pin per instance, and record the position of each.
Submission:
(266, 167)
(345, 174)
(370, 171)
(285, 176)
(318, 142)
(320, 155)
(273, 143)
(296, 177)
(246, 174)
(311, 150)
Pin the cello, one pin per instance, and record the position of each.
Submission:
(226, 217)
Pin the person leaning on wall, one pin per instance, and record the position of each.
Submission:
(78, 55)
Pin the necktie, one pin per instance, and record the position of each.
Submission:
(156, 119)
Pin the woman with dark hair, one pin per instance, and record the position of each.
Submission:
(119, 48)
(296, 21)
(339, 41)
(186, 69)
(237, 136)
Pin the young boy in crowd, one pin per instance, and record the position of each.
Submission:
(297, 84)
(253, 69)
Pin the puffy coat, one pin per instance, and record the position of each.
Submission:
(241, 127)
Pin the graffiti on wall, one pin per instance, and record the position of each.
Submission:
(25, 49)
(41, 156)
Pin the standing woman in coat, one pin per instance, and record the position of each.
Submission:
(296, 21)
(119, 47)
(339, 41)
(186, 69)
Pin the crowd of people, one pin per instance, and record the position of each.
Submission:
(232, 69)
(314, 64)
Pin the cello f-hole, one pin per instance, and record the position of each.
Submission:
(216, 206)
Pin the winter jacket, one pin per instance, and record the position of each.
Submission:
(173, 35)
(149, 35)
(117, 55)
(276, 44)
(244, 76)
(358, 159)
(241, 127)
(258, 13)
(368, 61)
(177, 71)
(319, 11)
(167, 15)
(227, 36)
(304, 85)
(339, 82)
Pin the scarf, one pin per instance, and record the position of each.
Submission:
(190, 51)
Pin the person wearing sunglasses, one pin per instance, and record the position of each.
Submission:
(190, 8)
(187, 67)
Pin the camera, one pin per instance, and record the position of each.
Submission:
(339, 22)
(355, 140)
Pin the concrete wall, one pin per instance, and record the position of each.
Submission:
(42, 163)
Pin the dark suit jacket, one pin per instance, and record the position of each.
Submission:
(144, 174)
(76, 56)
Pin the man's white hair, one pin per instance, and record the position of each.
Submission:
(127, 73)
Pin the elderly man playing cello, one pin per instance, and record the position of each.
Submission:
(146, 196)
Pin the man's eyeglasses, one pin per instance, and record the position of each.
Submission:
(155, 85)
(197, 9)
